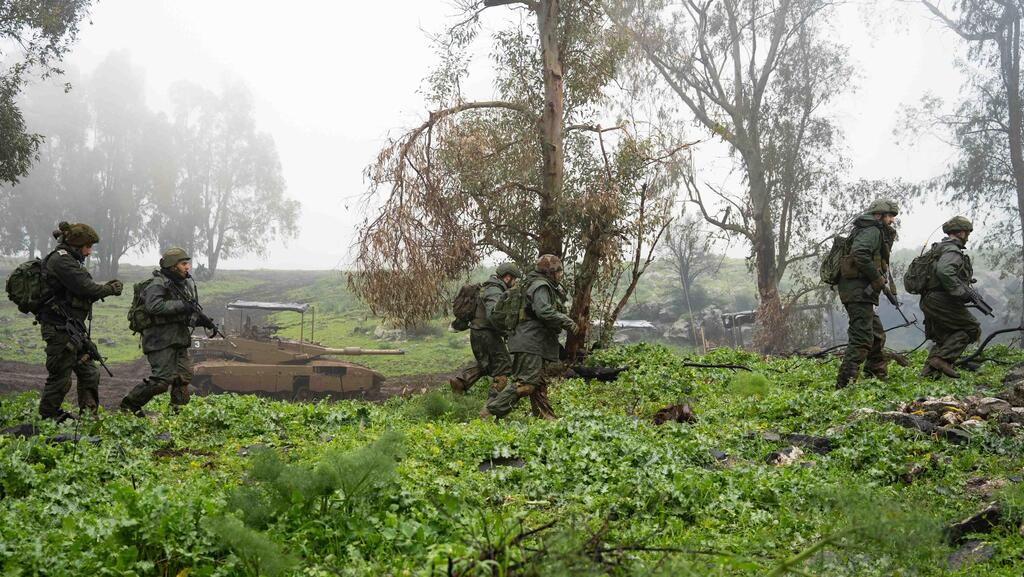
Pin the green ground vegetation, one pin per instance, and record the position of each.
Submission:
(239, 485)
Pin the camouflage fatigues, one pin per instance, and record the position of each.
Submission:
(166, 343)
(73, 288)
(488, 344)
(947, 321)
(534, 347)
(867, 265)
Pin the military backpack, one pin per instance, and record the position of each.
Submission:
(138, 319)
(510, 308)
(464, 305)
(830, 269)
(27, 287)
(919, 274)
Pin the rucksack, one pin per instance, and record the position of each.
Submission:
(830, 269)
(138, 319)
(26, 287)
(464, 304)
(510, 308)
(919, 273)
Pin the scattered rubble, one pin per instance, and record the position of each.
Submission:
(981, 522)
(970, 553)
(784, 457)
(681, 413)
(73, 438)
(956, 419)
(495, 462)
(820, 445)
(983, 487)
(24, 430)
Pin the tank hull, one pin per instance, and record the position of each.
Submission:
(260, 368)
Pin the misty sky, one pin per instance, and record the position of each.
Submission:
(331, 80)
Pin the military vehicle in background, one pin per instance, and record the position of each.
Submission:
(251, 360)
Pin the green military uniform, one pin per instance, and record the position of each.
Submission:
(863, 275)
(74, 292)
(947, 322)
(488, 344)
(167, 341)
(534, 346)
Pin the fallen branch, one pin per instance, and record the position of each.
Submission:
(977, 353)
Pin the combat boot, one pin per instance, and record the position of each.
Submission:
(879, 371)
(458, 387)
(845, 377)
(927, 371)
(127, 408)
(942, 365)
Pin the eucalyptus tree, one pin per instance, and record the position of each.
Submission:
(535, 168)
(228, 183)
(987, 125)
(759, 75)
(34, 37)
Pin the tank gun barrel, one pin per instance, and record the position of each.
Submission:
(355, 351)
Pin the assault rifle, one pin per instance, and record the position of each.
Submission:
(80, 339)
(197, 309)
(977, 301)
(889, 294)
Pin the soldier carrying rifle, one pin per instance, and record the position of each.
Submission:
(71, 293)
(164, 310)
(947, 321)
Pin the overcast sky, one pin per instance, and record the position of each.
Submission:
(332, 79)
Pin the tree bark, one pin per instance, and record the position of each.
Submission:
(1009, 54)
(552, 131)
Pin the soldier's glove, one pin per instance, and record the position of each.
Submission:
(572, 328)
(116, 287)
(878, 284)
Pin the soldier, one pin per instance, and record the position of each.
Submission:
(488, 344)
(947, 322)
(534, 344)
(72, 292)
(167, 340)
(864, 273)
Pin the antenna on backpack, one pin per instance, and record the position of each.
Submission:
(927, 240)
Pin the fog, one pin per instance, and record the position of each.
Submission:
(331, 80)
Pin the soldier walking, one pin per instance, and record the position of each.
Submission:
(534, 345)
(168, 335)
(947, 322)
(488, 343)
(863, 277)
(72, 293)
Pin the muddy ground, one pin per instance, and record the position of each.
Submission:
(18, 377)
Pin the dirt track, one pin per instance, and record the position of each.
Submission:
(17, 377)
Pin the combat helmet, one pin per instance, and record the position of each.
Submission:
(173, 256)
(548, 264)
(78, 234)
(957, 224)
(508, 268)
(883, 206)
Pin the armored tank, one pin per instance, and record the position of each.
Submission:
(251, 360)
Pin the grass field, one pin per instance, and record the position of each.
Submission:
(236, 485)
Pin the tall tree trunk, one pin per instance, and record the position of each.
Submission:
(583, 286)
(552, 136)
(771, 325)
(1009, 54)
